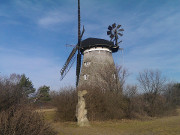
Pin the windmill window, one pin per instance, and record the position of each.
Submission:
(86, 64)
(114, 76)
(85, 77)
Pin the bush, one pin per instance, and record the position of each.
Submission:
(100, 105)
(23, 121)
(105, 105)
(65, 101)
(135, 103)
(15, 117)
(10, 94)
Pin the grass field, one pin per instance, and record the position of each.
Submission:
(159, 126)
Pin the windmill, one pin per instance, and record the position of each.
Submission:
(96, 54)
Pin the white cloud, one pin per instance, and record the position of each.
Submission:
(54, 18)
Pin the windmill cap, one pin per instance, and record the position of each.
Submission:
(96, 42)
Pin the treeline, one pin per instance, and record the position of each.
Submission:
(111, 98)
(17, 114)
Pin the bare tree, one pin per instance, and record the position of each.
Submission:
(152, 83)
(172, 94)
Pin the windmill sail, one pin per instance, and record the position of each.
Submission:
(78, 68)
(79, 24)
(69, 62)
(71, 59)
(78, 65)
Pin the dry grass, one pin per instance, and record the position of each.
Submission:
(159, 126)
(49, 114)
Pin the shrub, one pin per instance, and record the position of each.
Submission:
(135, 103)
(65, 101)
(23, 121)
(105, 105)
(15, 117)
(10, 94)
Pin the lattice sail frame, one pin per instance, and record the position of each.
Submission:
(114, 31)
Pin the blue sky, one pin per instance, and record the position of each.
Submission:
(34, 34)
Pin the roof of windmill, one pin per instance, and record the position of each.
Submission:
(96, 42)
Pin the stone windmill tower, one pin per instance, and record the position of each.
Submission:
(97, 59)
(97, 55)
